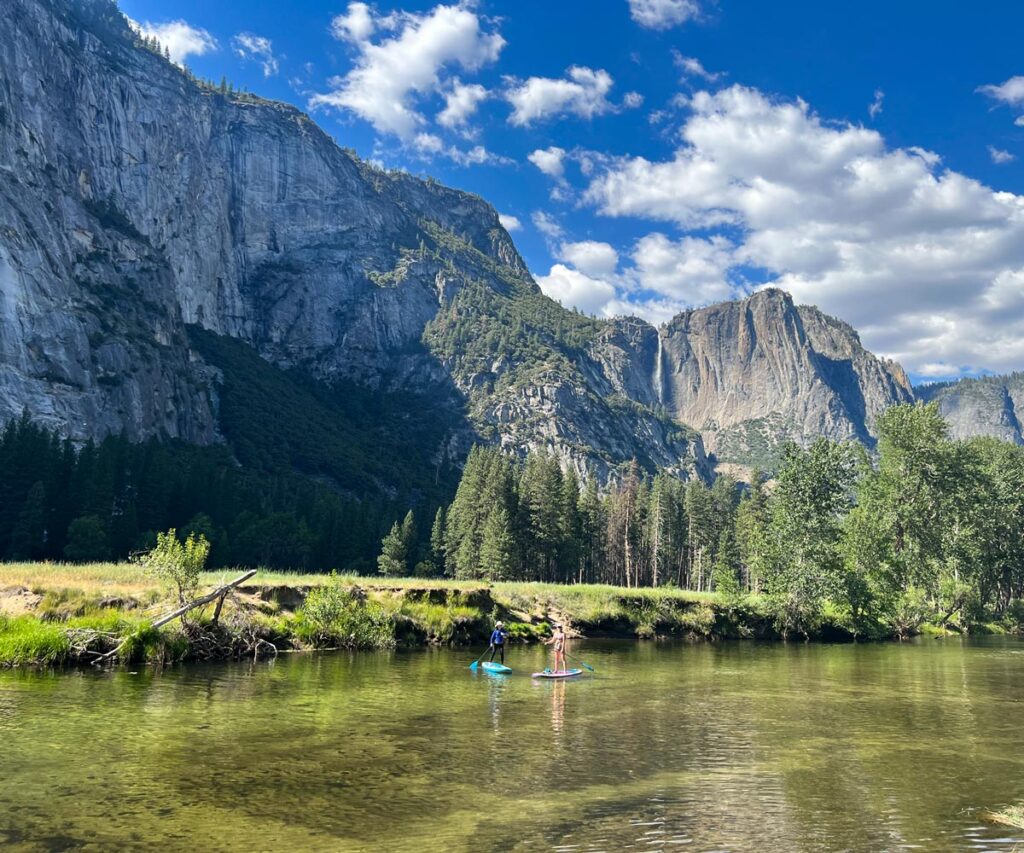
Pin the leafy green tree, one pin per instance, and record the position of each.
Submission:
(87, 540)
(178, 562)
(805, 566)
(912, 529)
(279, 541)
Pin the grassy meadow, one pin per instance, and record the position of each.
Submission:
(58, 614)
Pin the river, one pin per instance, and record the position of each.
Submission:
(730, 746)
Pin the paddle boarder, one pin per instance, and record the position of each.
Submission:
(558, 640)
(498, 637)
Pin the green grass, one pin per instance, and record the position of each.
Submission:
(443, 623)
(25, 640)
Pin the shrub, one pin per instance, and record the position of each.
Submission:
(909, 612)
(699, 619)
(1015, 614)
(178, 563)
(334, 614)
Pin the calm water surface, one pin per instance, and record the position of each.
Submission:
(696, 747)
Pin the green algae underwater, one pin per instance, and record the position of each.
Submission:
(727, 746)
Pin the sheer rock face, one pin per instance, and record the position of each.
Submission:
(993, 406)
(134, 202)
(124, 182)
(753, 373)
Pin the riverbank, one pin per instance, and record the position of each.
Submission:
(56, 614)
(1010, 816)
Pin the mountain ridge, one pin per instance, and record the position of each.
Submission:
(136, 203)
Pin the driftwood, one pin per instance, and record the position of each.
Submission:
(206, 599)
(220, 592)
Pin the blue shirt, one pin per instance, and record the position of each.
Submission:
(497, 637)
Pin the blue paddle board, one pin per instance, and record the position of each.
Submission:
(490, 666)
(562, 673)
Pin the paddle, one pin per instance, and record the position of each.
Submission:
(581, 663)
(474, 663)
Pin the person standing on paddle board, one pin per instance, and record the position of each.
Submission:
(558, 640)
(498, 637)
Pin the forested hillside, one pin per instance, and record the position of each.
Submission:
(931, 528)
(107, 500)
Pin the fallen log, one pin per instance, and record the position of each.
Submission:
(181, 611)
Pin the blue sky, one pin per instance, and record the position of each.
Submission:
(663, 154)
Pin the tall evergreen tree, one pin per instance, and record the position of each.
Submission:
(497, 547)
(394, 554)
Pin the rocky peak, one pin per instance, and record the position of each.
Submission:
(752, 373)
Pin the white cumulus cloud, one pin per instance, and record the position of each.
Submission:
(691, 270)
(252, 46)
(591, 257)
(430, 145)
(509, 222)
(179, 37)
(663, 14)
(583, 92)
(925, 261)
(356, 25)
(551, 161)
(461, 102)
(412, 61)
(574, 289)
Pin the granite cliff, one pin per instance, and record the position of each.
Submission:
(754, 373)
(140, 208)
(991, 405)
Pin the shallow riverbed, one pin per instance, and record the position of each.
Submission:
(732, 746)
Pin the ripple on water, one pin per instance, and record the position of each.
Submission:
(733, 746)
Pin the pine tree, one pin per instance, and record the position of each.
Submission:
(592, 532)
(751, 531)
(700, 530)
(497, 548)
(437, 541)
(571, 529)
(726, 565)
(28, 539)
(540, 497)
(396, 548)
(658, 528)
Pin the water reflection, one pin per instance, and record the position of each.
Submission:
(803, 748)
(558, 708)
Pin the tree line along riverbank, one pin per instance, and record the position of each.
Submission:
(65, 615)
(920, 530)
